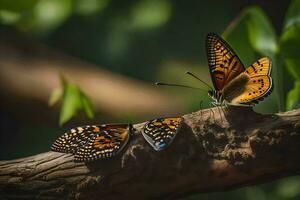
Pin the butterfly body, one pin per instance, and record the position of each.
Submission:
(234, 88)
(235, 85)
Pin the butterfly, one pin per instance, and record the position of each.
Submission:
(160, 133)
(70, 141)
(233, 84)
(89, 143)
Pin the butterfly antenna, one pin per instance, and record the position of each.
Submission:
(178, 85)
(196, 77)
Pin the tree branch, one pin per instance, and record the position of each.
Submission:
(212, 152)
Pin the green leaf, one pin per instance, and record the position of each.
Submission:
(71, 103)
(290, 39)
(293, 97)
(290, 48)
(55, 96)
(150, 14)
(261, 32)
(87, 106)
(47, 15)
(237, 37)
(250, 33)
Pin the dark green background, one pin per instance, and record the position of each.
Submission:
(140, 39)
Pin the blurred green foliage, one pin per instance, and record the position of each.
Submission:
(284, 189)
(36, 16)
(290, 48)
(160, 40)
(42, 16)
(89, 7)
(17, 6)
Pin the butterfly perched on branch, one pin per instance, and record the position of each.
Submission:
(89, 143)
(160, 133)
(233, 84)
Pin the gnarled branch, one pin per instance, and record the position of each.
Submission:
(215, 150)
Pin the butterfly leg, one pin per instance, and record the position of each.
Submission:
(224, 109)
(213, 114)
(220, 113)
(201, 115)
(210, 110)
(220, 110)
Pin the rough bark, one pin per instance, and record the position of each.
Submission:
(215, 150)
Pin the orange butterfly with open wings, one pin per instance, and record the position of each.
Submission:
(235, 85)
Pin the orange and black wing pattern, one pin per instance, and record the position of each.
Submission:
(108, 142)
(260, 82)
(70, 141)
(89, 143)
(224, 64)
(159, 133)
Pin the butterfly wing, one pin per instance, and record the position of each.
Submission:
(70, 141)
(258, 85)
(159, 133)
(224, 64)
(261, 67)
(105, 144)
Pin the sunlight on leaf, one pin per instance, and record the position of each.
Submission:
(89, 7)
(46, 16)
(150, 14)
(8, 17)
(87, 105)
(11, 11)
(261, 32)
(55, 96)
(71, 103)
(290, 47)
(293, 14)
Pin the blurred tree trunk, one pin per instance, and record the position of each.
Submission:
(29, 72)
(215, 150)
